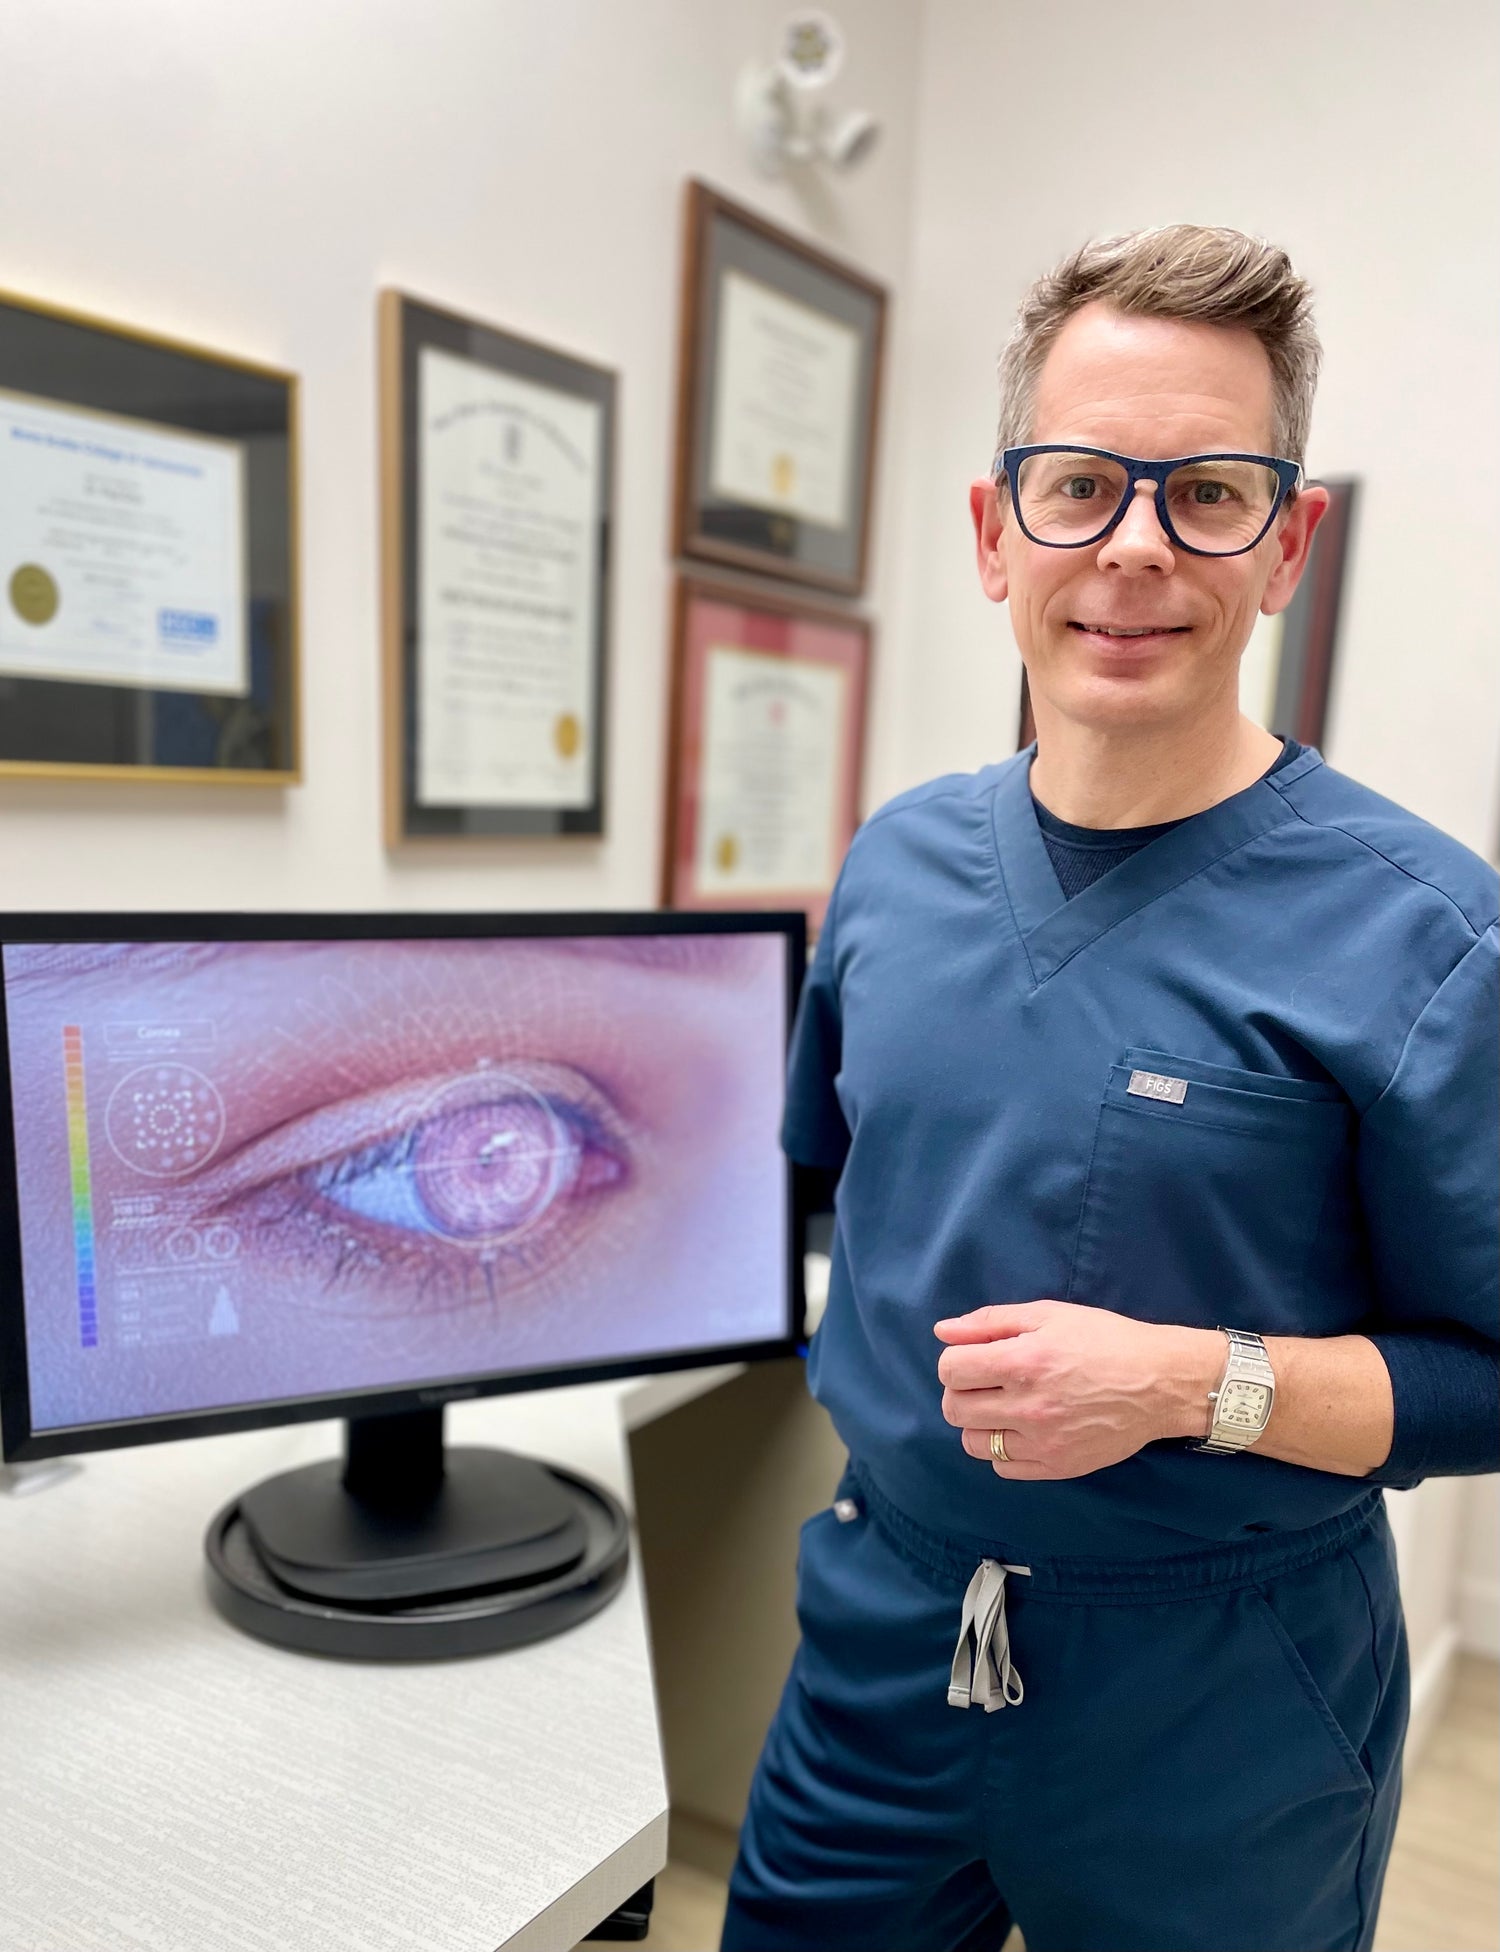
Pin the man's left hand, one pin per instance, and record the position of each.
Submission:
(1073, 1388)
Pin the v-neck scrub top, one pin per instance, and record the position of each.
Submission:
(1316, 966)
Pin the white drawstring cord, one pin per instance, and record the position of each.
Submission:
(985, 1678)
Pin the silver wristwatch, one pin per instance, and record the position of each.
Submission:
(1242, 1402)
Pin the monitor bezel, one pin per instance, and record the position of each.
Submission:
(20, 1443)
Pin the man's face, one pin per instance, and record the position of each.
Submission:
(1155, 389)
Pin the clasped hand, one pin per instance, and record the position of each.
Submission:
(1073, 1388)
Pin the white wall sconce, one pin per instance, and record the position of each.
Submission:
(781, 105)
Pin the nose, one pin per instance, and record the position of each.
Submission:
(1138, 541)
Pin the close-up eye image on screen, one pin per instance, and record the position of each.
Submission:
(253, 1171)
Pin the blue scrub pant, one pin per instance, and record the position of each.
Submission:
(1207, 1757)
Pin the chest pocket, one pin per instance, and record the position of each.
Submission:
(1218, 1195)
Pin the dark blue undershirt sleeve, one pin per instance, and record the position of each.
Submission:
(1447, 1392)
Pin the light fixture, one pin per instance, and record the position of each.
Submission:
(780, 104)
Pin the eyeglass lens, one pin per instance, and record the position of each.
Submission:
(1216, 506)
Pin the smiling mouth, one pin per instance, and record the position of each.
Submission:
(1131, 630)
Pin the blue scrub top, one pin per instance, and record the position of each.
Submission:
(1315, 964)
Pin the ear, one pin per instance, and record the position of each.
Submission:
(989, 538)
(1292, 540)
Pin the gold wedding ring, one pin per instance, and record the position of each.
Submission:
(997, 1446)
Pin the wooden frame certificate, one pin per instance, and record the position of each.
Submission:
(497, 470)
(147, 555)
(768, 710)
(778, 394)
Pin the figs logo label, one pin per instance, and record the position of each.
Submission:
(1151, 1084)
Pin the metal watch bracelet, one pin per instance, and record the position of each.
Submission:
(1247, 1362)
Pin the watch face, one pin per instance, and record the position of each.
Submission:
(1244, 1405)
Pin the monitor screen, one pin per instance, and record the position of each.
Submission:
(261, 1163)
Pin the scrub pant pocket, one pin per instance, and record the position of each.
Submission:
(1205, 1761)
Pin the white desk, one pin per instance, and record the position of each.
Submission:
(170, 1785)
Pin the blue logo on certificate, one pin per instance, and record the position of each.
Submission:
(189, 628)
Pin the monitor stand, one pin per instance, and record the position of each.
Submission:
(407, 1550)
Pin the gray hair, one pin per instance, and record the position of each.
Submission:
(1180, 271)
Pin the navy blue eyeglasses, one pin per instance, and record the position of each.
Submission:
(1209, 504)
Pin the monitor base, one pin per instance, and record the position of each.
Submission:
(442, 1623)
(480, 1519)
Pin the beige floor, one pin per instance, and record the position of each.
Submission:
(1442, 1892)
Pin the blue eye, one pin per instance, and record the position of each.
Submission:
(481, 1174)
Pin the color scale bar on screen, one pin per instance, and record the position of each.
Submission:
(83, 1199)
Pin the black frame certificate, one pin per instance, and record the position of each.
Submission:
(778, 400)
(498, 460)
(148, 559)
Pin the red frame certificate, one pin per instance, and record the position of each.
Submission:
(767, 732)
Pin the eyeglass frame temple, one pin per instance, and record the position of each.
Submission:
(1007, 463)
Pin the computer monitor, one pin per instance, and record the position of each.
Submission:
(258, 1169)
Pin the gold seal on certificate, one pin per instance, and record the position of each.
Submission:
(496, 504)
(33, 594)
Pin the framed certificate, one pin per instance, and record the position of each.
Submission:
(1286, 670)
(148, 561)
(497, 465)
(778, 395)
(767, 731)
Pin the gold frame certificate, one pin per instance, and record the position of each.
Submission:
(148, 555)
(497, 490)
(778, 396)
(768, 709)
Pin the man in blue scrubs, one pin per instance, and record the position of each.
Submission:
(1157, 1067)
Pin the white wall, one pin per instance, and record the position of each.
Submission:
(247, 177)
(1362, 135)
